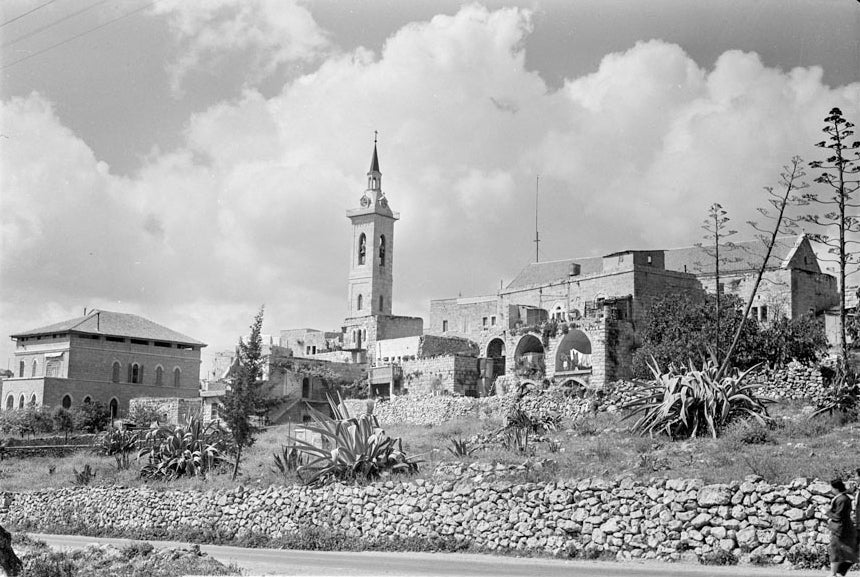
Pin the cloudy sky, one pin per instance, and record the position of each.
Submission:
(191, 160)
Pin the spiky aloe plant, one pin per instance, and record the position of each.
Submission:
(461, 448)
(118, 443)
(353, 448)
(690, 402)
(179, 450)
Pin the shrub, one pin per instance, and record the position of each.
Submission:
(685, 403)
(806, 557)
(91, 417)
(50, 564)
(85, 476)
(183, 450)
(718, 557)
(144, 415)
(63, 421)
(354, 448)
(749, 432)
(137, 549)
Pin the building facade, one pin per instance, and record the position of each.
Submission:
(103, 356)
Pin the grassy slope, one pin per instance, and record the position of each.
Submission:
(596, 447)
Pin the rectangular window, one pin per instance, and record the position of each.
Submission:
(115, 339)
(465, 325)
(763, 312)
(650, 259)
(444, 326)
(162, 344)
(493, 321)
(484, 322)
(139, 342)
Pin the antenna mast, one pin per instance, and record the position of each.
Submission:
(537, 235)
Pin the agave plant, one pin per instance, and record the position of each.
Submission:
(461, 448)
(119, 443)
(843, 395)
(353, 448)
(689, 402)
(174, 451)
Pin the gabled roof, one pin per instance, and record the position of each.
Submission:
(543, 273)
(98, 322)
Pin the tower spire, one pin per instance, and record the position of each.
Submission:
(374, 162)
(374, 176)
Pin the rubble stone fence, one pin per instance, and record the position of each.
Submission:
(663, 519)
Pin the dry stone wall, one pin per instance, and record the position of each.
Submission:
(796, 382)
(661, 520)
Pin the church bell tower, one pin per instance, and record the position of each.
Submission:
(372, 254)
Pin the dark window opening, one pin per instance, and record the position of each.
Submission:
(115, 339)
(362, 248)
(162, 344)
(306, 387)
(159, 375)
(139, 342)
(382, 250)
(67, 402)
(360, 302)
(444, 326)
(21, 369)
(177, 376)
(115, 374)
(380, 303)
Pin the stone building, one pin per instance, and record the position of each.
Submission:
(295, 381)
(103, 356)
(575, 319)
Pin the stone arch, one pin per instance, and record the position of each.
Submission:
(10, 401)
(496, 348)
(573, 352)
(113, 406)
(529, 356)
(528, 344)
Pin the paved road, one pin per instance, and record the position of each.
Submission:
(314, 563)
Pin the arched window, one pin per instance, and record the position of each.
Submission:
(114, 408)
(21, 402)
(10, 402)
(360, 302)
(177, 377)
(35, 365)
(114, 377)
(381, 250)
(67, 402)
(33, 400)
(380, 303)
(159, 375)
(87, 400)
(135, 373)
(21, 369)
(362, 248)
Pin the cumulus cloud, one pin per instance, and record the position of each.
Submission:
(251, 208)
(268, 33)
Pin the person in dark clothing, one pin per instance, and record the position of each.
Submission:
(843, 534)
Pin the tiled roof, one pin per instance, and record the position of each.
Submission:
(99, 322)
(745, 256)
(742, 256)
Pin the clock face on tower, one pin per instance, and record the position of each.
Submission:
(365, 201)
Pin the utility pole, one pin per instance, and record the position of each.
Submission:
(537, 236)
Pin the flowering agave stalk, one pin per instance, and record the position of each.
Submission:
(175, 451)
(353, 448)
(689, 402)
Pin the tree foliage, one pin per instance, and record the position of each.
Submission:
(247, 400)
(677, 329)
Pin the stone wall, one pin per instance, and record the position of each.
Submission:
(450, 373)
(665, 519)
(171, 410)
(793, 382)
